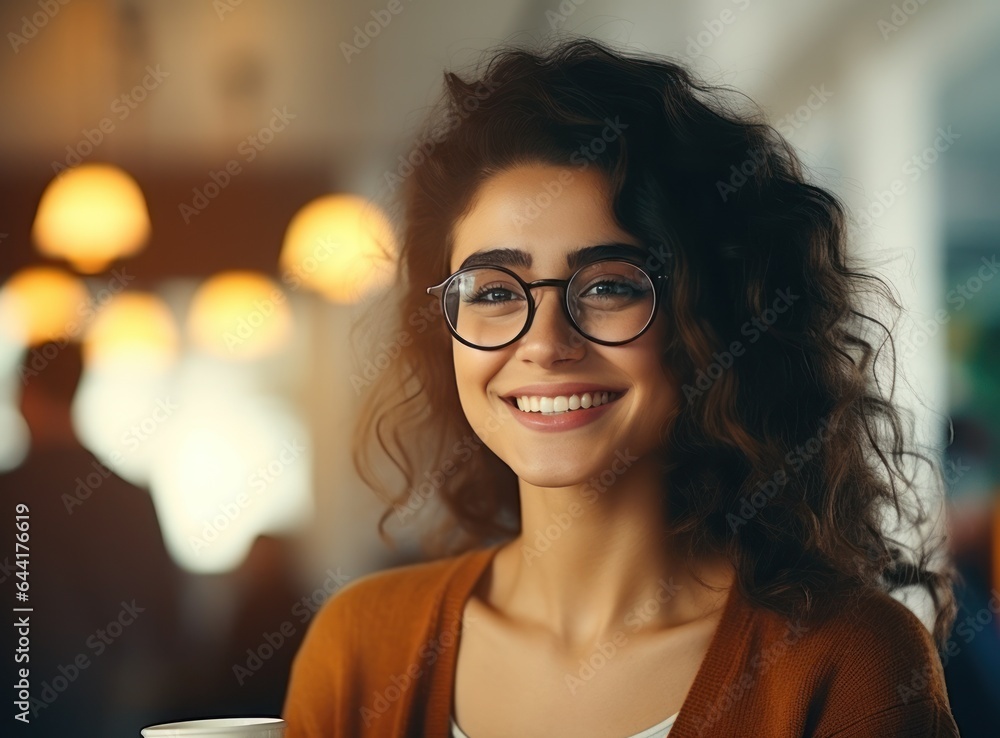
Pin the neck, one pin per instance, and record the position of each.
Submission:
(594, 559)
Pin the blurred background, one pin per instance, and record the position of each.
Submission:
(191, 198)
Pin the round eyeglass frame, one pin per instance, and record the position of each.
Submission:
(439, 290)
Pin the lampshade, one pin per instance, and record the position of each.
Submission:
(239, 314)
(91, 215)
(342, 246)
(43, 304)
(135, 328)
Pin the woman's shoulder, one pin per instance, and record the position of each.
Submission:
(378, 615)
(866, 654)
(861, 664)
(876, 627)
(869, 625)
(400, 593)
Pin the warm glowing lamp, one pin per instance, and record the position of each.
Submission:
(134, 328)
(43, 304)
(239, 315)
(342, 246)
(91, 215)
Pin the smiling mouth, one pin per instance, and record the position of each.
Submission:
(562, 404)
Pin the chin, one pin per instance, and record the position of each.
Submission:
(543, 473)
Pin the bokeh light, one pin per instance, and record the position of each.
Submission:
(239, 315)
(342, 246)
(91, 215)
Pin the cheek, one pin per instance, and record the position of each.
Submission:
(473, 371)
(660, 392)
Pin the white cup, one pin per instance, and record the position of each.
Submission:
(239, 727)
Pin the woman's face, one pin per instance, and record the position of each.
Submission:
(509, 213)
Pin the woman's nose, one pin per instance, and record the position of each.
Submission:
(550, 337)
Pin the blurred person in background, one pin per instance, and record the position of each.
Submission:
(103, 589)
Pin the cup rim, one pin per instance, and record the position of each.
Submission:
(211, 726)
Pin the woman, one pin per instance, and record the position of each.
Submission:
(630, 358)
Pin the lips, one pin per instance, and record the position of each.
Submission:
(560, 421)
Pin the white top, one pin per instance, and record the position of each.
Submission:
(660, 730)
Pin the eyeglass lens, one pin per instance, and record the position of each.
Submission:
(609, 301)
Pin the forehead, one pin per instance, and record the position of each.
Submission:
(545, 211)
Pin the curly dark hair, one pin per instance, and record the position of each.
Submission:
(779, 457)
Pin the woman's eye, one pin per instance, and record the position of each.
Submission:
(493, 295)
(612, 288)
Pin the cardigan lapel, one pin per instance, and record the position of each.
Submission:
(445, 620)
(720, 664)
(720, 661)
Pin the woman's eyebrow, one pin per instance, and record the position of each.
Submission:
(516, 258)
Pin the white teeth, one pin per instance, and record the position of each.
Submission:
(562, 403)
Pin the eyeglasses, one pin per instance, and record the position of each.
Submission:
(609, 302)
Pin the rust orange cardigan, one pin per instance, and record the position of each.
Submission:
(379, 660)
